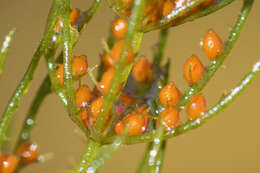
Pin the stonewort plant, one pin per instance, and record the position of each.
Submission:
(133, 99)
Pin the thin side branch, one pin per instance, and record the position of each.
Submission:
(4, 49)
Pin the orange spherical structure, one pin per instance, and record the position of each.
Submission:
(134, 124)
(169, 119)
(167, 7)
(110, 61)
(28, 152)
(79, 65)
(142, 71)
(8, 163)
(59, 74)
(96, 106)
(196, 107)
(193, 70)
(119, 28)
(212, 44)
(106, 80)
(119, 127)
(83, 96)
(74, 15)
(169, 95)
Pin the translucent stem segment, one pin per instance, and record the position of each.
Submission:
(4, 49)
(88, 156)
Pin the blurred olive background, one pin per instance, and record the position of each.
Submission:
(228, 143)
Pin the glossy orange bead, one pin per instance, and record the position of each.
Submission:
(119, 28)
(28, 152)
(167, 7)
(142, 71)
(212, 44)
(169, 95)
(127, 100)
(106, 80)
(79, 65)
(59, 74)
(119, 127)
(193, 70)
(96, 106)
(196, 107)
(83, 96)
(134, 124)
(115, 53)
(8, 163)
(74, 15)
(169, 118)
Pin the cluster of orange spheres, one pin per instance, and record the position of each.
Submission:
(136, 120)
(156, 9)
(193, 72)
(27, 153)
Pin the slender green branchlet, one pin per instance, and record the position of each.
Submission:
(4, 49)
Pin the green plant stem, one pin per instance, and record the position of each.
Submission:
(201, 13)
(190, 125)
(160, 47)
(123, 68)
(172, 17)
(158, 162)
(88, 156)
(142, 165)
(155, 150)
(68, 75)
(28, 76)
(67, 59)
(216, 64)
(4, 49)
(105, 155)
(160, 159)
(29, 122)
(19, 92)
